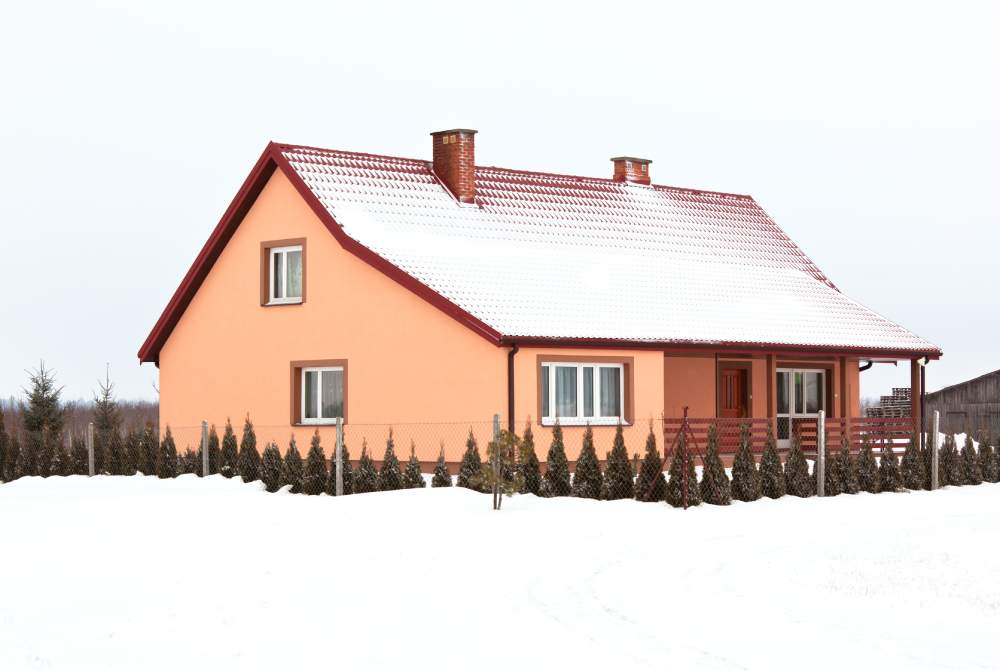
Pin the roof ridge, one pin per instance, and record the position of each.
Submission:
(283, 146)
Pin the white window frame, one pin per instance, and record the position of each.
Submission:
(791, 415)
(320, 420)
(271, 253)
(549, 367)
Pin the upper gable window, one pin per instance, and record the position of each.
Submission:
(283, 272)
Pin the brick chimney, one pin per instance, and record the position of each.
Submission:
(455, 161)
(635, 170)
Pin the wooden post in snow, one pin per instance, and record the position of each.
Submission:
(821, 454)
(934, 442)
(338, 457)
(204, 449)
(90, 449)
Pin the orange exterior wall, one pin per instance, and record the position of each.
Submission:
(647, 398)
(689, 381)
(407, 361)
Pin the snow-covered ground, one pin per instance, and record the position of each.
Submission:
(134, 572)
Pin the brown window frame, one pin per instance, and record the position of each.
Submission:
(628, 385)
(265, 270)
(296, 386)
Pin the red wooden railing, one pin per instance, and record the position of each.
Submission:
(861, 430)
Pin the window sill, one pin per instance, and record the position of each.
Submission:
(592, 421)
(275, 303)
(317, 422)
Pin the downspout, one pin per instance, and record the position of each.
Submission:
(866, 366)
(510, 386)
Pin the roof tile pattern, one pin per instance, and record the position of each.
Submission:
(556, 256)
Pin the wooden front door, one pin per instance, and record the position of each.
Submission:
(733, 393)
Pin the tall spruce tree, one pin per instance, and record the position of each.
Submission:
(292, 470)
(716, 488)
(618, 482)
(527, 462)
(556, 482)
(470, 470)
(772, 476)
(867, 468)
(229, 458)
(315, 476)
(366, 480)
(912, 466)
(166, 458)
(413, 477)
(889, 478)
(988, 461)
(797, 480)
(347, 473)
(248, 463)
(746, 478)
(650, 484)
(441, 478)
(846, 467)
(682, 481)
(272, 468)
(42, 408)
(390, 478)
(972, 474)
(587, 478)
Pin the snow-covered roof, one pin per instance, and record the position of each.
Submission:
(544, 256)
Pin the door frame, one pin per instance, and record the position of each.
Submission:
(747, 367)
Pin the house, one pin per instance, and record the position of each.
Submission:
(394, 291)
(969, 406)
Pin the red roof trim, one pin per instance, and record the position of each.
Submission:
(238, 208)
(730, 347)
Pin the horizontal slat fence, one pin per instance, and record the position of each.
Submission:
(728, 431)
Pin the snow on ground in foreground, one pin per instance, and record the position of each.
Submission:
(131, 572)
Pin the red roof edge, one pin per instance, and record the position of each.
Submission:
(730, 347)
(149, 352)
(269, 160)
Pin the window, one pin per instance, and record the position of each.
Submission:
(322, 395)
(578, 393)
(282, 272)
(319, 391)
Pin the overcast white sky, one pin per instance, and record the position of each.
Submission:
(870, 132)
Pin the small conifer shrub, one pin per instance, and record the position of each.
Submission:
(833, 484)
(189, 463)
(746, 478)
(347, 473)
(292, 469)
(214, 451)
(314, 476)
(413, 477)
(912, 466)
(133, 451)
(391, 477)
(618, 477)
(248, 462)
(797, 480)
(772, 476)
(366, 480)
(78, 460)
(972, 474)
(889, 478)
(471, 467)
(441, 478)
(4, 448)
(527, 462)
(867, 468)
(949, 467)
(716, 488)
(988, 461)
(650, 484)
(272, 468)
(151, 447)
(500, 475)
(166, 458)
(682, 482)
(557, 480)
(587, 478)
(229, 459)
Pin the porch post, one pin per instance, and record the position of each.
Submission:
(772, 397)
(915, 395)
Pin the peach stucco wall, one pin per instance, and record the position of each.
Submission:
(407, 361)
(689, 382)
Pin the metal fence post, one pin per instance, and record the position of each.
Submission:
(90, 449)
(821, 454)
(339, 457)
(935, 437)
(204, 449)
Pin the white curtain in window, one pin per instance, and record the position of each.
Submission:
(611, 392)
(293, 285)
(565, 391)
(309, 389)
(333, 394)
